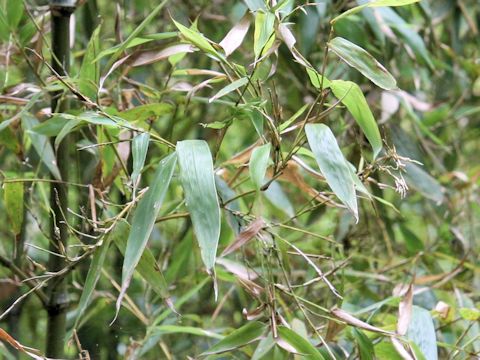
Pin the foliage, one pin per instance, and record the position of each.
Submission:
(249, 179)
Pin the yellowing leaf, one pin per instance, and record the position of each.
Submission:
(352, 97)
(13, 196)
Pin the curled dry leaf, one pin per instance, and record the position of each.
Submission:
(5, 337)
(405, 311)
(401, 349)
(150, 57)
(443, 309)
(235, 36)
(245, 236)
(251, 287)
(237, 269)
(254, 314)
(352, 320)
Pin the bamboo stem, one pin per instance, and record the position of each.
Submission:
(57, 291)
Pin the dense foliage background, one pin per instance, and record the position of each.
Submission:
(335, 164)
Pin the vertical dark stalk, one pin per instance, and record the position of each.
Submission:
(90, 17)
(58, 297)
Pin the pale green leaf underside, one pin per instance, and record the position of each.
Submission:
(361, 60)
(258, 164)
(333, 164)
(197, 178)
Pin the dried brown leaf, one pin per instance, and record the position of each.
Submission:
(405, 311)
(245, 236)
(150, 57)
(352, 320)
(235, 36)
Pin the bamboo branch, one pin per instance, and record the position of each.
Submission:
(57, 292)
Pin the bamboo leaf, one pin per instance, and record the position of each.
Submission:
(405, 31)
(196, 38)
(13, 196)
(333, 164)
(151, 57)
(255, 5)
(229, 88)
(147, 266)
(352, 97)
(89, 74)
(422, 332)
(358, 58)
(135, 33)
(14, 12)
(144, 220)
(139, 153)
(41, 144)
(264, 30)
(176, 329)
(235, 36)
(245, 236)
(258, 164)
(238, 338)
(300, 344)
(197, 177)
(143, 112)
(93, 275)
(377, 3)
(264, 346)
(365, 345)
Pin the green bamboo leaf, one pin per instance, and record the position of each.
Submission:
(301, 345)
(89, 74)
(422, 332)
(238, 338)
(294, 117)
(197, 177)
(147, 266)
(316, 79)
(279, 199)
(229, 88)
(408, 35)
(51, 126)
(14, 11)
(143, 112)
(135, 33)
(139, 154)
(136, 42)
(144, 220)
(386, 351)
(258, 164)
(176, 329)
(255, 5)
(264, 346)
(469, 314)
(196, 38)
(333, 164)
(264, 32)
(358, 58)
(69, 126)
(94, 273)
(352, 97)
(365, 345)
(13, 197)
(41, 144)
(378, 3)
